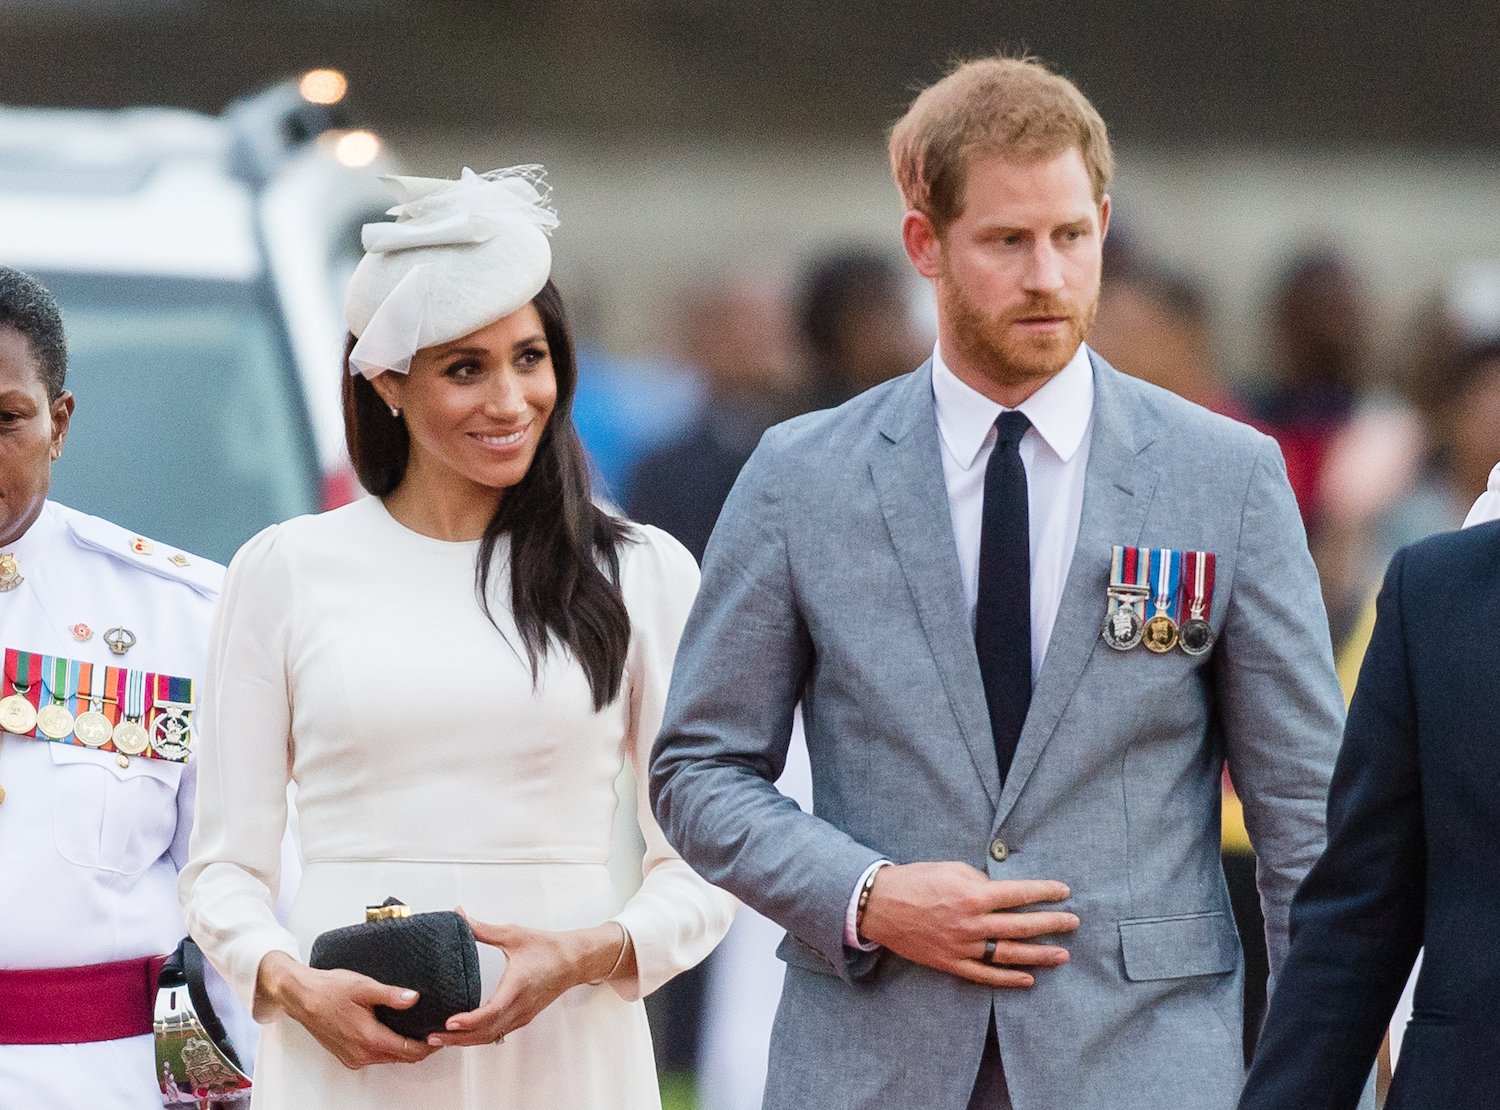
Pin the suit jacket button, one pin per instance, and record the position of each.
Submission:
(998, 851)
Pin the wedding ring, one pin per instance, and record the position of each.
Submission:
(989, 950)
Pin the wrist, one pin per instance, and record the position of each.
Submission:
(278, 982)
(609, 943)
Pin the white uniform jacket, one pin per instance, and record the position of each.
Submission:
(90, 849)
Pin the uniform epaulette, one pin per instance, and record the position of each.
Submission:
(98, 534)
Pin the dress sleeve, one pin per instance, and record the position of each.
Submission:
(676, 918)
(234, 869)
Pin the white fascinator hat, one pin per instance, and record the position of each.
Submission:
(460, 255)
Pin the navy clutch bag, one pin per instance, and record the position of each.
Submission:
(433, 954)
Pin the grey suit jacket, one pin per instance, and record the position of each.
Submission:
(832, 579)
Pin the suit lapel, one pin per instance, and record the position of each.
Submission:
(1117, 492)
(907, 470)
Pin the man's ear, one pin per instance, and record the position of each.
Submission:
(922, 244)
(62, 419)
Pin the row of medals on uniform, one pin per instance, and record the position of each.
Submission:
(167, 734)
(1170, 581)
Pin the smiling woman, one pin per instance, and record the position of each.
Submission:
(453, 672)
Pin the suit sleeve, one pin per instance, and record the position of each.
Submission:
(229, 886)
(745, 655)
(1357, 921)
(1280, 710)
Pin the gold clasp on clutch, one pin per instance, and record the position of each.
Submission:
(389, 910)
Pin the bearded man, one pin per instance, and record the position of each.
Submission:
(1029, 606)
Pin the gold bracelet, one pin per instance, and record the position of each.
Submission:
(619, 960)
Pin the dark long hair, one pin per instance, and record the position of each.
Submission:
(564, 550)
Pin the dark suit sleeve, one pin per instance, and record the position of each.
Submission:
(740, 668)
(1357, 920)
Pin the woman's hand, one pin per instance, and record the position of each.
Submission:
(337, 1008)
(539, 966)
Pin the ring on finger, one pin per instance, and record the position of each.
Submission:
(989, 950)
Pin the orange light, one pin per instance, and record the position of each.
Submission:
(323, 86)
(356, 149)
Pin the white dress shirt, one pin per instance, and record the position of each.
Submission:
(1055, 452)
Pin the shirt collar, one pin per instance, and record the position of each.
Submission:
(1059, 411)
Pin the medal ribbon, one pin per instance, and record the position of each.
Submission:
(59, 685)
(112, 694)
(82, 679)
(1198, 580)
(1167, 571)
(22, 671)
(135, 695)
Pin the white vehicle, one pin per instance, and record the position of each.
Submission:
(200, 263)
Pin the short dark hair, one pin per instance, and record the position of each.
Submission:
(27, 306)
(836, 285)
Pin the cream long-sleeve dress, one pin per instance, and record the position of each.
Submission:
(350, 656)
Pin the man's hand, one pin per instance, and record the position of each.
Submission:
(941, 915)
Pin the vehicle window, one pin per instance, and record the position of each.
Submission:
(190, 426)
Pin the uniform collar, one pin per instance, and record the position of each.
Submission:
(1059, 411)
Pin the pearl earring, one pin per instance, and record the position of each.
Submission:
(395, 412)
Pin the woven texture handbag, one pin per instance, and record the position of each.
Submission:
(433, 954)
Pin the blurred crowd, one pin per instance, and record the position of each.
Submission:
(1383, 446)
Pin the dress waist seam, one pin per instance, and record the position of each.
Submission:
(515, 862)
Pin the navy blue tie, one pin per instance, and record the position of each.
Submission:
(1002, 617)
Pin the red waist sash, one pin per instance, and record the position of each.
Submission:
(75, 1005)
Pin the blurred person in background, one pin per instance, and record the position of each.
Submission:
(856, 316)
(736, 333)
(1396, 475)
(1318, 319)
(1155, 325)
(101, 628)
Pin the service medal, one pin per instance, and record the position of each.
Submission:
(1161, 630)
(17, 715)
(93, 729)
(10, 573)
(1129, 573)
(169, 737)
(1197, 635)
(54, 721)
(130, 736)
(1161, 634)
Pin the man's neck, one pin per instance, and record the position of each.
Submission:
(1008, 390)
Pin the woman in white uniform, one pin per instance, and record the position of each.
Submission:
(453, 672)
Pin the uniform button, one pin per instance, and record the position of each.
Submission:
(998, 851)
